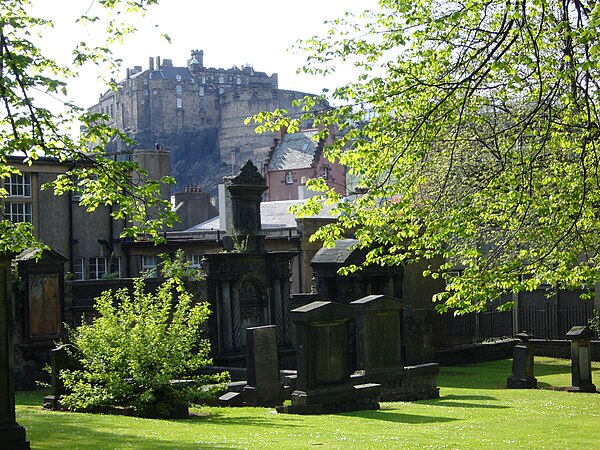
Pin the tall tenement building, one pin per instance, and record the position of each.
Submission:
(198, 114)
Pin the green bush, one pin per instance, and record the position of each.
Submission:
(138, 345)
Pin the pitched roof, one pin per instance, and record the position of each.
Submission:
(294, 151)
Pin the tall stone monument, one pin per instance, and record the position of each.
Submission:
(12, 436)
(247, 286)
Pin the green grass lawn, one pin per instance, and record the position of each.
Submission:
(474, 410)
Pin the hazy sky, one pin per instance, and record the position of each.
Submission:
(234, 32)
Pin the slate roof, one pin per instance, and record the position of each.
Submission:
(294, 151)
(170, 73)
(272, 215)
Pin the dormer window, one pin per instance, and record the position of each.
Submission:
(178, 77)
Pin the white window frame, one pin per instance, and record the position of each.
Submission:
(289, 178)
(18, 212)
(178, 89)
(179, 103)
(149, 265)
(195, 261)
(97, 267)
(79, 269)
(19, 185)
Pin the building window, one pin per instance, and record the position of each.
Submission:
(203, 79)
(19, 212)
(179, 103)
(97, 267)
(221, 90)
(149, 264)
(221, 79)
(238, 80)
(289, 178)
(201, 91)
(195, 262)
(78, 269)
(178, 77)
(326, 173)
(19, 185)
(178, 89)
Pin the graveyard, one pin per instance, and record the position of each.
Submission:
(474, 410)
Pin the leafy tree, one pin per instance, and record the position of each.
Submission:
(37, 119)
(473, 128)
(140, 342)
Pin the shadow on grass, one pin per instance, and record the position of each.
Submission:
(454, 401)
(32, 398)
(398, 417)
(541, 369)
(50, 431)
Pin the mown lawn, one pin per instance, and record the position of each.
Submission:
(475, 411)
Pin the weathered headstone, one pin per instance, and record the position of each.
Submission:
(581, 359)
(379, 351)
(263, 387)
(59, 361)
(323, 362)
(12, 435)
(522, 365)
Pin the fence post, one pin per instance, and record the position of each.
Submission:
(515, 313)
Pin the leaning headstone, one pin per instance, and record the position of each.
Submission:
(581, 359)
(522, 366)
(263, 387)
(12, 435)
(323, 383)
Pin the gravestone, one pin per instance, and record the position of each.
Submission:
(581, 359)
(60, 359)
(324, 383)
(522, 366)
(12, 435)
(263, 387)
(379, 351)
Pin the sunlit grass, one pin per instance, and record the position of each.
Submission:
(475, 411)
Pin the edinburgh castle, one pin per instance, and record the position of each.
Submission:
(197, 113)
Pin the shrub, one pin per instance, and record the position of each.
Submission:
(138, 345)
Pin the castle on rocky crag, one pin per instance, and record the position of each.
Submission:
(197, 113)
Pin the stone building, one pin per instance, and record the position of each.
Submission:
(296, 158)
(198, 113)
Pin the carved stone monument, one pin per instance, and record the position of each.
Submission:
(522, 366)
(12, 435)
(581, 359)
(324, 382)
(247, 286)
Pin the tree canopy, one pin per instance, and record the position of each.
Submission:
(472, 128)
(37, 118)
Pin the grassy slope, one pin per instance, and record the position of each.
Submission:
(474, 411)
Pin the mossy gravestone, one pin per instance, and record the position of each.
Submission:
(12, 436)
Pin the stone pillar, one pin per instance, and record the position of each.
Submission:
(278, 307)
(522, 366)
(227, 334)
(581, 359)
(12, 436)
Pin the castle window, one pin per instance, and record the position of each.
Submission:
(201, 91)
(221, 79)
(178, 77)
(203, 79)
(221, 90)
(179, 103)
(178, 89)
(289, 178)
(238, 80)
